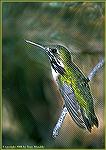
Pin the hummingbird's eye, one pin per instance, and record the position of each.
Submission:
(54, 50)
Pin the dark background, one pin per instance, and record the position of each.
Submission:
(31, 101)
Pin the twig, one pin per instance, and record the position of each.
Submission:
(59, 122)
(96, 69)
(64, 110)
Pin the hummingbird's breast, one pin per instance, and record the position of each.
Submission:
(54, 74)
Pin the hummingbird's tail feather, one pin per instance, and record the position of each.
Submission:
(86, 120)
(94, 120)
(88, 125)
(90, 120)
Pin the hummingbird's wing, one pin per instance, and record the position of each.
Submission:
(82, 90)
(71, 104)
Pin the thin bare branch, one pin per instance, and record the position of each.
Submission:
(59, 122)
(96, 69)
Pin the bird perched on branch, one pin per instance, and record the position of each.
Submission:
(73, 85)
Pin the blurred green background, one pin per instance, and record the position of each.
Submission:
(31, 101)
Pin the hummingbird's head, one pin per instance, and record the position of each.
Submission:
(58, 55)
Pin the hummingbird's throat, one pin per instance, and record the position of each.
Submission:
(58, 67)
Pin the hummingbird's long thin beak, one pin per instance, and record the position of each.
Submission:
(35, 44)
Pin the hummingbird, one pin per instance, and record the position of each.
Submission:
(73, 85)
